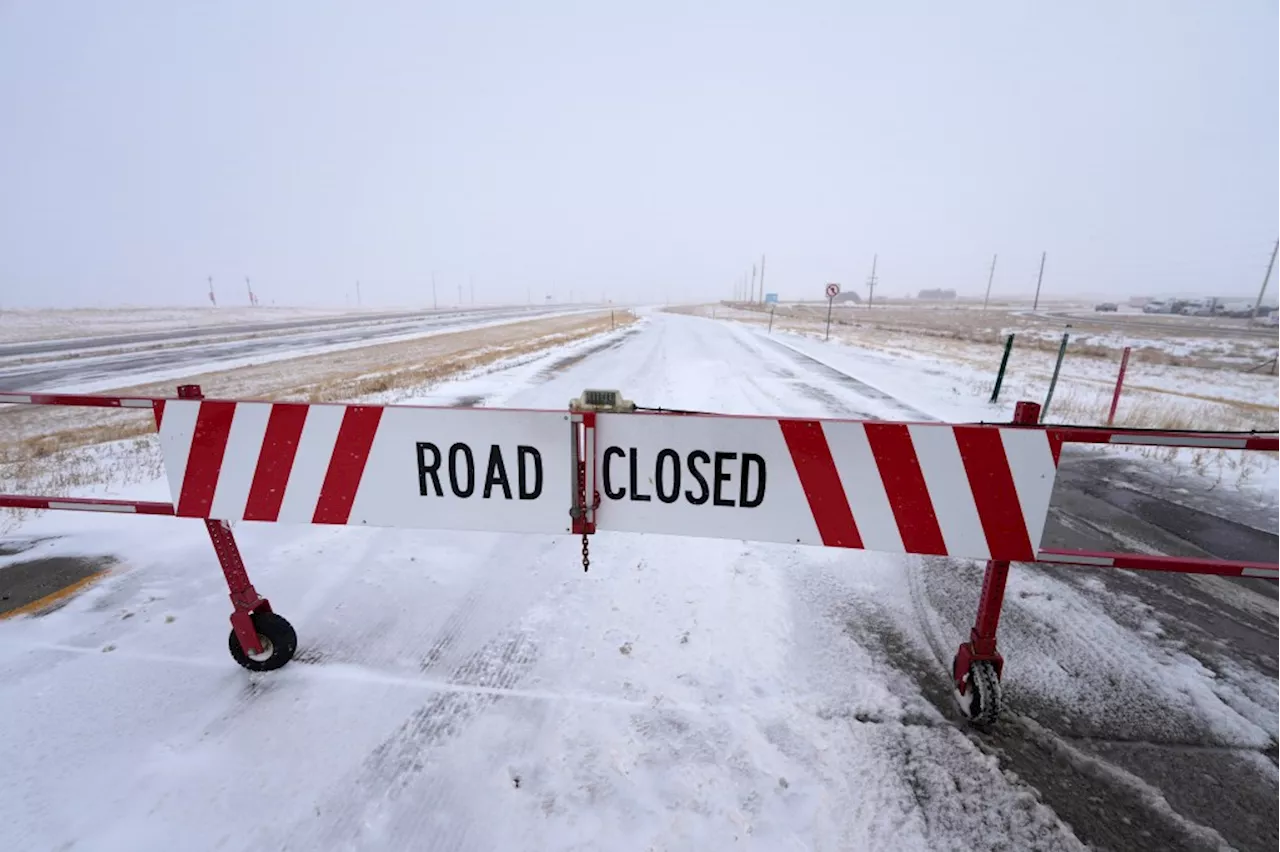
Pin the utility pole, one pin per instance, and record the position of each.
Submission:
(761, 278)
(990, 277)
(1036, 304)
(212, 298)
(1271, 265)
(753, 283)
(435, 305)
(358, 301)
(253, 300)
(871, 281)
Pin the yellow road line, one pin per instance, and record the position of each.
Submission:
(53, 597)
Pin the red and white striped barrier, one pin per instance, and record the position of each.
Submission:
(961, 490)
(389, 466)
(966, 491)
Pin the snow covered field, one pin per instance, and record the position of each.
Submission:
(952, 379)
(478, 691)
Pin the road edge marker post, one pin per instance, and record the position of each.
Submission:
(833, 290)
(1053, 382)
(1115, 399)
(771, 310)
(1004, 362)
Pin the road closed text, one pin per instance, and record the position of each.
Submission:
(697, 477)
(484, 471)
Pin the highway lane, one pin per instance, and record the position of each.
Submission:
(115, 341)
(295, 340)
(1178, 325)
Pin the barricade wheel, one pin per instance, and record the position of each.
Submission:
(982, 701)
(278, 641)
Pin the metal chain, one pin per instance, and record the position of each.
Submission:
(582, 504)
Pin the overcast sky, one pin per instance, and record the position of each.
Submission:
(638, 150)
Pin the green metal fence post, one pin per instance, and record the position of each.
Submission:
(1062, 351)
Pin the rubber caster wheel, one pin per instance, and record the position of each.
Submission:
(981, 702)
(278, 641)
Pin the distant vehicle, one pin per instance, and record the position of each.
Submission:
(1157, 308)
(1107, 306)
(1273, 318)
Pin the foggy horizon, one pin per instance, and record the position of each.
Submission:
(641, 155)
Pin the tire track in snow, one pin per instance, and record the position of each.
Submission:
(1128, 794)
(364, 808)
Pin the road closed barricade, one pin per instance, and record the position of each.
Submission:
(977, 492)
(970, 491)
(382, 466)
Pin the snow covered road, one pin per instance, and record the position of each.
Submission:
(100, 363)
(463, 691)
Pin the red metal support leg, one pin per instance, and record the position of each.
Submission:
(982, 636)
(245, 600)
(981, 646)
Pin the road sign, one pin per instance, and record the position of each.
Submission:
(833, 290)
(840, 484)
(771, 298)
(402, 466)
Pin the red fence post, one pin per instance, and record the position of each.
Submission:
(1115, 400)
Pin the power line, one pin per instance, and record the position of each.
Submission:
(1270, 265)
(1040, 278)
(990, 277)
(872, 281)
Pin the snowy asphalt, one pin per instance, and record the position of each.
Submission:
(62, 364)
(30, 348)
(476, 691)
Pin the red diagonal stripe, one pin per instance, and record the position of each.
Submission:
(821, 482)
(1055, 446)
(350, 452)
(905, 487)
(994, 493)
(275, 461)
(204, 461)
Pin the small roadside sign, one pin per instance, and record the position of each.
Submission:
(833, 290)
